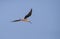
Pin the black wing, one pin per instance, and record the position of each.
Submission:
(29, 14)
(16, 20)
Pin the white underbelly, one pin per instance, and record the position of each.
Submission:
(25, 20)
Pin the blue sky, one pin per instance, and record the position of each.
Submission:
(45, 19)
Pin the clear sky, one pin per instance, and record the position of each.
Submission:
(45, 19)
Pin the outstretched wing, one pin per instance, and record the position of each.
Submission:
(16, 20)
(29, 14)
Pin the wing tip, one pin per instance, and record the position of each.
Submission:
(31, 8)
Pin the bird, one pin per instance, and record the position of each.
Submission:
(25, 19)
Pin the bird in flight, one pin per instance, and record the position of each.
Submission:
(25, 19)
